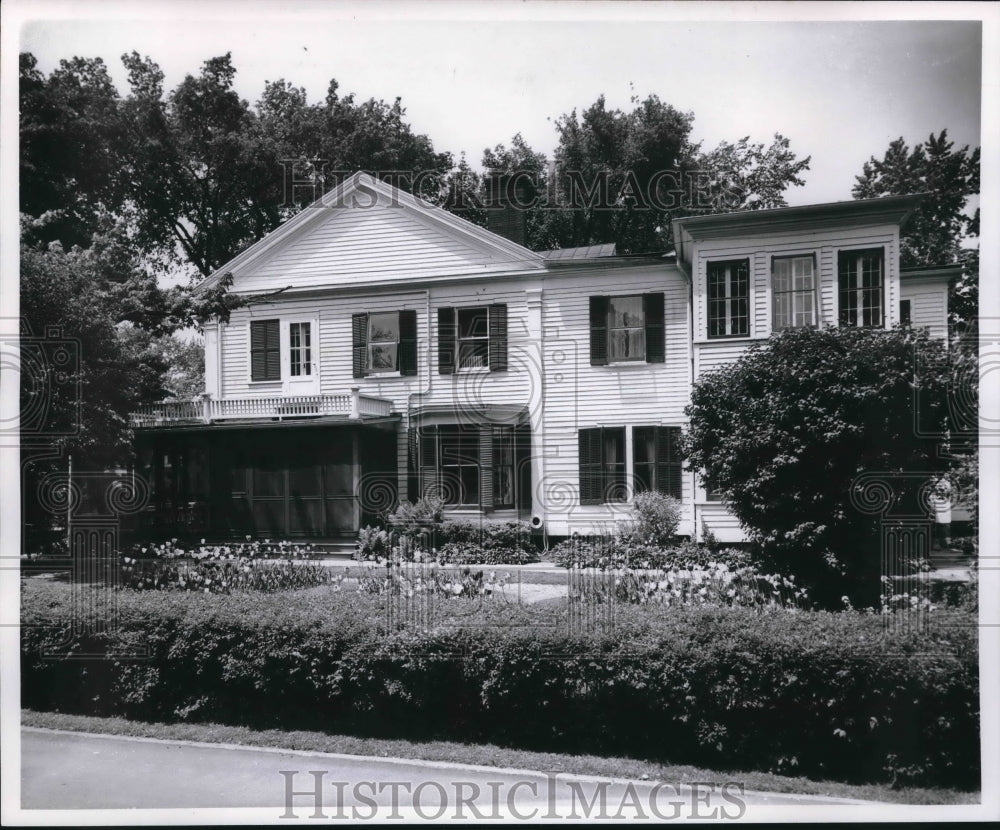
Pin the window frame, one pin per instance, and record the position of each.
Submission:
(611, 328)
(370, 343)
(300, 355)
(656, 467)
(854, 255)
(728, 298)
(477, 340)
(793, 292)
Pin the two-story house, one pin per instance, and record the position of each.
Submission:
(390, 349)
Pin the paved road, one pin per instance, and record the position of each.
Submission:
(65, 770)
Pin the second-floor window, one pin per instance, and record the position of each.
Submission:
(385, 343)
(729, 298)
(627, 328)
(265, 350)
(472, 338)
(793, 283)
(861, 281)
(300, 349)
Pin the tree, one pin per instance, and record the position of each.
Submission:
(948, 177)
(786, 431)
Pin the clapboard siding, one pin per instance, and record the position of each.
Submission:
(928, 306)
(578, 395)
(760, 250)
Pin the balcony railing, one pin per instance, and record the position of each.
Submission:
(352, 406)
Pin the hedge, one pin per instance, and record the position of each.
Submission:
(819, 694)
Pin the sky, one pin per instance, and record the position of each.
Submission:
(472, 76)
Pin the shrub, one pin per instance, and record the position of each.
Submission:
(622, 552)
(787, 429)
(656, 518)
(821, 694)
(373, 543)
(485, 543)
(416, 519)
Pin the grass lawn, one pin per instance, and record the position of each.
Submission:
(491, 756)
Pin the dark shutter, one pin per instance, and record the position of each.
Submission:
(408, 342)
(265, 350)
(652, 311)
(412, 465)
(904, 312)
(486, 466)
(668, 461)
(359, 343)
(522, 461)
(598, 331)
(428, 462)
(447, 336)
(498, 337)
(591, 471)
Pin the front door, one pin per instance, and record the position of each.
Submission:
(300, 356)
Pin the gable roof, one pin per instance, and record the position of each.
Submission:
(606, 249)
(366, 231)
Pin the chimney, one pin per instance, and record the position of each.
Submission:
(507, 196)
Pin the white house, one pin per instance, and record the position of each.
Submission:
(391, 349)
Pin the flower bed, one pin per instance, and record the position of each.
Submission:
(833, 695)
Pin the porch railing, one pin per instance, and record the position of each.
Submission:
(353, 405)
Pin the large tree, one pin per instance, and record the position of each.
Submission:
(943, 228)
(786, 431)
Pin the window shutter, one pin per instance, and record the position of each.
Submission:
(412, 465)
(522, 463)
(486, 465)
(408, 342)
(668, 461)
(591, 478)
(447, 336)
(498, 337)
(428, 462)
(265, 350)
(652, 310)
(359, 342)
(598, 331)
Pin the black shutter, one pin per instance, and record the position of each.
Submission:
(447, 336)
(591, 470)
(359, 343)
(265, 350)
(668, 461)
(408, 342)
(412, 465)
(598, 331)
(498, 337)
(428, 462)
(652, 310)
(486, 466)
(522, 463)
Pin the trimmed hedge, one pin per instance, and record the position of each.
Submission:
(820, 694)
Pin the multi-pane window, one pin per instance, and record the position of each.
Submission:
(861, 282)
(458, 463)
(383, 342)
(793, 283)
(265, 350)
(473, 338)
(729, 298)
(300, 349)
(626, 329)
(657, 460)
(602, 465)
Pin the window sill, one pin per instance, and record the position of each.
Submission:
(383, 375)
(262, 383)
(472, 370)
(627, 364)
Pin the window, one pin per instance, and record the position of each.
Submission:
(657, 460)
(793, 283)
(860, 281)
(626, 329)
(904, 313)
(300, 349)
(265, 350)
(729, 298)
(472, 338)
(385, 343)
(473, 464)
(602, 465)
